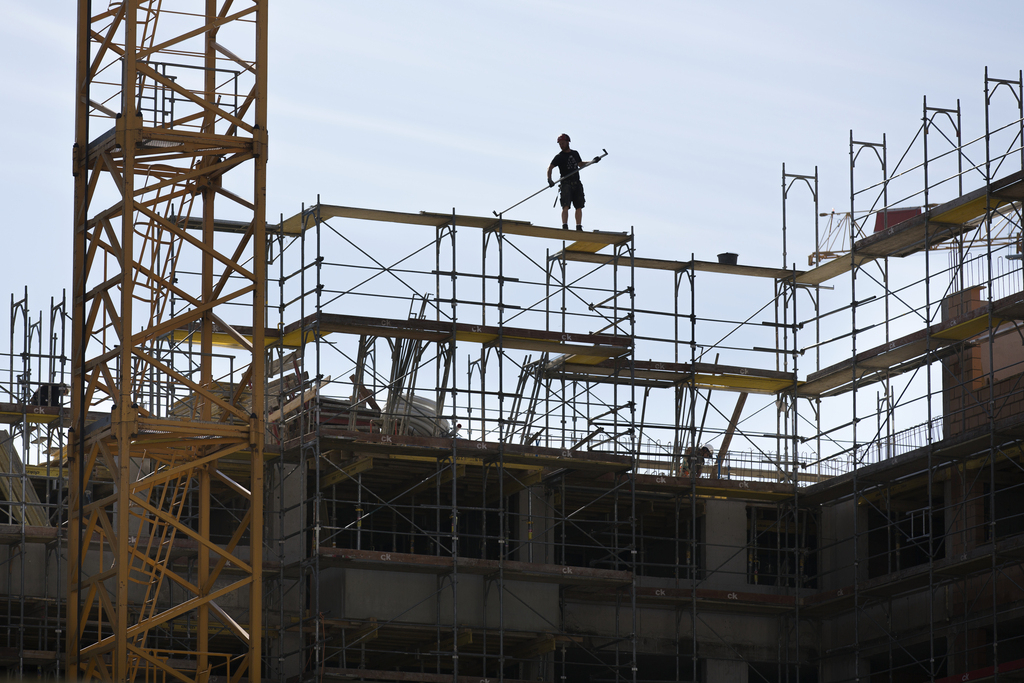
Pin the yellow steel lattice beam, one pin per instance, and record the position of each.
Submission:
(148, 178)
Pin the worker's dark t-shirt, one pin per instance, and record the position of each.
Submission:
(567, 162)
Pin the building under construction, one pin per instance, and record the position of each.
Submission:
(498, 451)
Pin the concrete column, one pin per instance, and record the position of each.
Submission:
(838, 560)
(962, 385)
(965, 513)
(725, 543)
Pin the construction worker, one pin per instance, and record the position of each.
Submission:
(694, 462)
(569, 164)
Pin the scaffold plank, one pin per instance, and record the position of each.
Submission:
(743, 383)
(831, 269)
(740, 383)
(13, 413)
(600, 346)
(750, 271)
(298, 222)
(935, 337)
(304, 220)
(581, 256)
(665, 374)
(623, 260)
(594, 242)
(935, 225)
(584, 348)
(16, 533)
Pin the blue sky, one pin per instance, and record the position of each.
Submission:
(455, 104)
(428, 106)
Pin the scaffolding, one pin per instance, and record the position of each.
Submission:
(432, 521)
(846, 544)
(33, 487)
(501, 451)
(922, 540)
(445, 455)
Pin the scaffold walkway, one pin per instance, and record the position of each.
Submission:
(589, 241)
(934, 225)
(658, 374)
(580, 256)
(912, 350)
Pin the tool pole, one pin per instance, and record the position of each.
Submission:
(563, 178)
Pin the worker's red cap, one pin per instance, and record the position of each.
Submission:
(563, 136)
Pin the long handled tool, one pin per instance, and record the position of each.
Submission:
(568, 175)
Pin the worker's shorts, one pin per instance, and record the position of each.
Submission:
(572, 193)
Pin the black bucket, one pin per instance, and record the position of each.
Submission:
(728, 258)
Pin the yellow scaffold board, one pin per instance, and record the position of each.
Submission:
(294, 225)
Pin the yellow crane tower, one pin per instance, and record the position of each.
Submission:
(170, 124)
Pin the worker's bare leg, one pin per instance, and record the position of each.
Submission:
(565, 215)
(579, 217)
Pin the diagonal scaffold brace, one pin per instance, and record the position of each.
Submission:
(499, 214)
